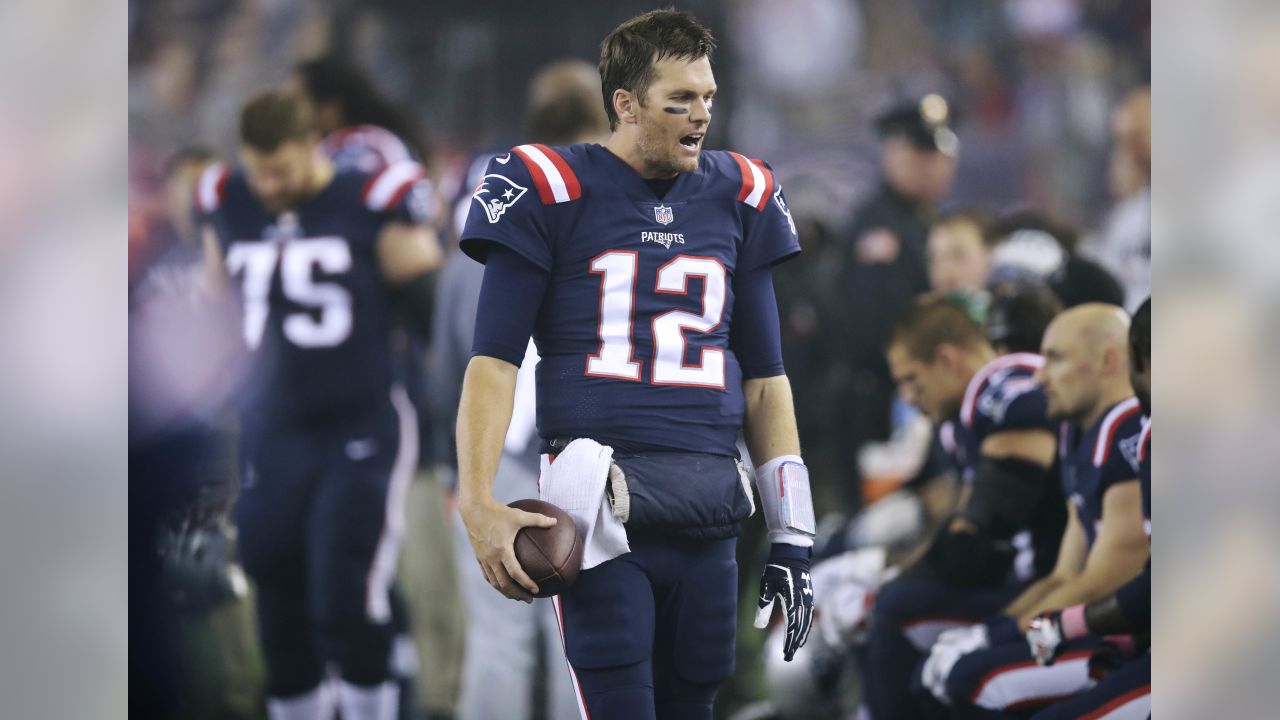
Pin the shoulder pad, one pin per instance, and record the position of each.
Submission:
(1026, 362)
(385, 188)
(756, 181)
(1111, 428)
(555, 180)
(210, 188)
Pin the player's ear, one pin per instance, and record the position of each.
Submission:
(947, 355)
(626, 105)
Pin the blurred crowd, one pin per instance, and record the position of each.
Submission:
(996, 153)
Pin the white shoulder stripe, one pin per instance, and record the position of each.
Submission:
(207, 190)
(388, 183)
(558, 189)
(1104, 433)
(757, 185)
(971, 392)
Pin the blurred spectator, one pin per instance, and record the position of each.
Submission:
(1028, 247)
(958, 256)
(882, 259)
(1124, 243)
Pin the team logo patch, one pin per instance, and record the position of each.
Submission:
(496, 193)
(663, 215)
(782, 204)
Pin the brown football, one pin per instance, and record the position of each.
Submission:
(552, 556)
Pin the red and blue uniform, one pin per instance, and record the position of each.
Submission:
(649, 303)
(328, 440)
(926, 599)
(1092, 460)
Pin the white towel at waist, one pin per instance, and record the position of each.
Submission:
(575, 483)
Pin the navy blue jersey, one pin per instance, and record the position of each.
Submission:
(1094, 459)
(1144, 470)
(315, 311)
(1003, 395)
(633, 332)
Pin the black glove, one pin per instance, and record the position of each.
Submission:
(786, 579)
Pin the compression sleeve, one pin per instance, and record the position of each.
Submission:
(1133, 600)
(510, 298)
(754, 334)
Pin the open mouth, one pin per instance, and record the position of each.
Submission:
(691, 141)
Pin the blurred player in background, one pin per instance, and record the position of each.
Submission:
(1086, 377)
(991, 419)
(364, 130)
(1126, 692)
(505, 640)
(957, 253)
(642, 269)
(320, 259)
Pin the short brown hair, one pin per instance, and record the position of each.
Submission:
(628, 54)
(932, 320)
(273, 118)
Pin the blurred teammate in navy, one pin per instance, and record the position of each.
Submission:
(991, 418)
(641, 267)
(321, 261)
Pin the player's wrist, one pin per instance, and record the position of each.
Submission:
(1072, 622)
(782, 484)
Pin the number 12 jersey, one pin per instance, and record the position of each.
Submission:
(634, 332)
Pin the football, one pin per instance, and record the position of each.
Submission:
(550, 556)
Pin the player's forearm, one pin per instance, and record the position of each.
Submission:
(769, 427)
(1092, 584)
(488, 392)
(1033, 595)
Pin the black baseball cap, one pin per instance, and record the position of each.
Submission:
(924, 121)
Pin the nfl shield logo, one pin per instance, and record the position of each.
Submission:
(663, 214)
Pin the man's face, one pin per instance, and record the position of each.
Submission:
(921, 174)
(1071, 372)
(933, 387)
(280, 179)
(674, 115)
(957, 258)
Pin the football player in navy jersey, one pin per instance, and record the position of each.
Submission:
(992, 420)
(641, 268)
(1127, 691)
(988, 667)
(320, 260)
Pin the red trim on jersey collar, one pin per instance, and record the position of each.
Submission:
(210, 187)
(555, 180)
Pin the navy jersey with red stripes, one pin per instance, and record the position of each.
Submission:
(315, 318)
(633, 332)
(1002, 396)
(1094, 459)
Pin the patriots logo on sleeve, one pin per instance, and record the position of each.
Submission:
(496, 193)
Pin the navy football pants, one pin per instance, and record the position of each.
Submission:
(320, 517)
(650, 634)
(909, 614)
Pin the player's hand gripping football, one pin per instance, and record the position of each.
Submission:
(786, 580)
(492, 528)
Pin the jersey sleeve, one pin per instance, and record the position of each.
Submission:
(401, 192)
(210, 192)
(1117, 461)
(769, 235)
(1016, 403)
(505, 209)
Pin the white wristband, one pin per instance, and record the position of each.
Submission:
(785, 498)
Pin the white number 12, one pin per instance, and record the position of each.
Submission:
(616, 359)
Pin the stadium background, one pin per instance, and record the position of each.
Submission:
(1033, 85)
